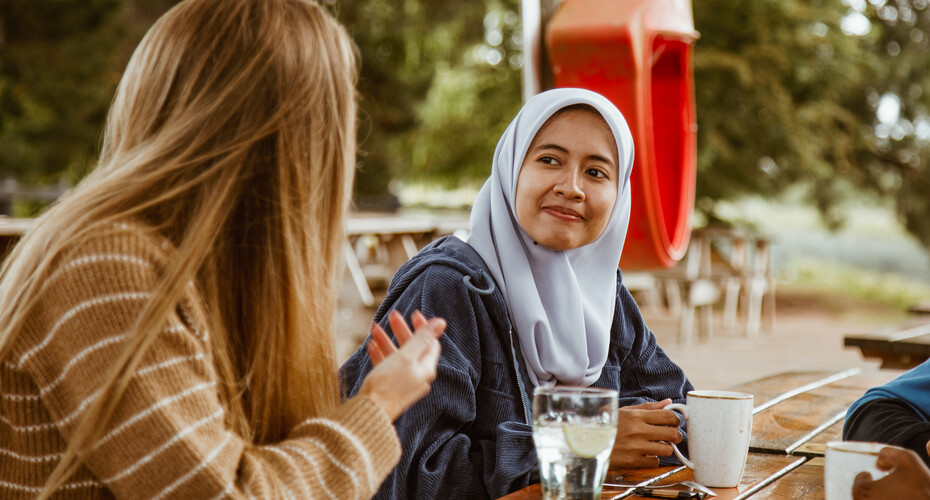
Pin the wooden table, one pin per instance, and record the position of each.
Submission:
(901, 347)
(796, 414)
(377, 244)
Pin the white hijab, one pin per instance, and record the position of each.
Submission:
(560, 302)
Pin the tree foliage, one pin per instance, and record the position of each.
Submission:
(788, 93)
(833, 95)
(59, 66)
(432, 104)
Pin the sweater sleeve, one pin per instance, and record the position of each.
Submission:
(460, 441)
(169, 437)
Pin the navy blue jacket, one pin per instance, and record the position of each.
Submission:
(471, 436)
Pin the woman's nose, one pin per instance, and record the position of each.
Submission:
(569, 184)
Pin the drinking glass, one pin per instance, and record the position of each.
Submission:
(574, 430)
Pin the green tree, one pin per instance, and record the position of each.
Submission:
(429, 107)
(896, 162)
(788, 93)
(55, 84)
(60, 63)
(830, 94)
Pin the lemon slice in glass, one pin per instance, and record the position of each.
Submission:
(587, 441)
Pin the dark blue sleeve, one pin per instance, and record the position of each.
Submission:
(460, 441)
(646, 372)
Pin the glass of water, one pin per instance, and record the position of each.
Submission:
(574, 430)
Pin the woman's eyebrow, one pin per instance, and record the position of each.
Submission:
(601, 159)
(551, 146)
(556, 147)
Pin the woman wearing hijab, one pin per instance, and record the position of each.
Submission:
(533, 299)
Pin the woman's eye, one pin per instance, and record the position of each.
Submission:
(548, 160)
(597, 173)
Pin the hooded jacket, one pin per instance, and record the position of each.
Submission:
(471, 436)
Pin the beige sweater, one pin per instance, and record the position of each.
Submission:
(167, 438)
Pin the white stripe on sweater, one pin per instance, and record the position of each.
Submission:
(74, 311)
(298, 473)
(206, 461)
(80, 357)
(369, 467)
(225, 493)
(332, 458)
(21, 397)
(87, 351)
(31, 459)
(90, 399)
(27, 428)
(98, 258)
(152, 409)
(167, 444)
(169, 363)
(38, 489)
(314, 467)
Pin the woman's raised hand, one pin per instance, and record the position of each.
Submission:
(402, 376)
(643, 434)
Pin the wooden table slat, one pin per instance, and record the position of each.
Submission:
(818, 445)
(782, 427)
(804, 483)
(770, 388)
(759, 469)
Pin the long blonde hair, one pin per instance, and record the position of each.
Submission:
(232, 133)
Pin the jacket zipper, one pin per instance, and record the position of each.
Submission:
(513, 352)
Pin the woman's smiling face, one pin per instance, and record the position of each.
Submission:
(567, 187)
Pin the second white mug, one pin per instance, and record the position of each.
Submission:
(843, 460)
(719, 426)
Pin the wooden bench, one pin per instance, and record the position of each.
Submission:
(900, 347)
(11, 229)
(921, 308)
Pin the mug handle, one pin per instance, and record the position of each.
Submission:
(684, 414)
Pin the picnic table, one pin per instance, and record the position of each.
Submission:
(389, 239)
(796, 414)
(376, 245)
(900, 347)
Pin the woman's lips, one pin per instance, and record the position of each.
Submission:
(563, 213)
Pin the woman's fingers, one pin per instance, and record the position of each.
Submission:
(399, 325)
(434, 329)
(380, 345)
(382, 340)
(419, 320)
(890, 456)
(374, 353)
(652, 405)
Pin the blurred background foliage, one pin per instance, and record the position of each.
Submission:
(831, 97)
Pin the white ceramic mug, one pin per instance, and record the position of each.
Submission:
(844, 460)
(719, 425)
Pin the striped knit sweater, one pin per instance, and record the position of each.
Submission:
(167, 438)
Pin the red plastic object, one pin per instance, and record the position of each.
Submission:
(637, 53)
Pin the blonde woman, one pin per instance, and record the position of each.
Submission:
(166, 327)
